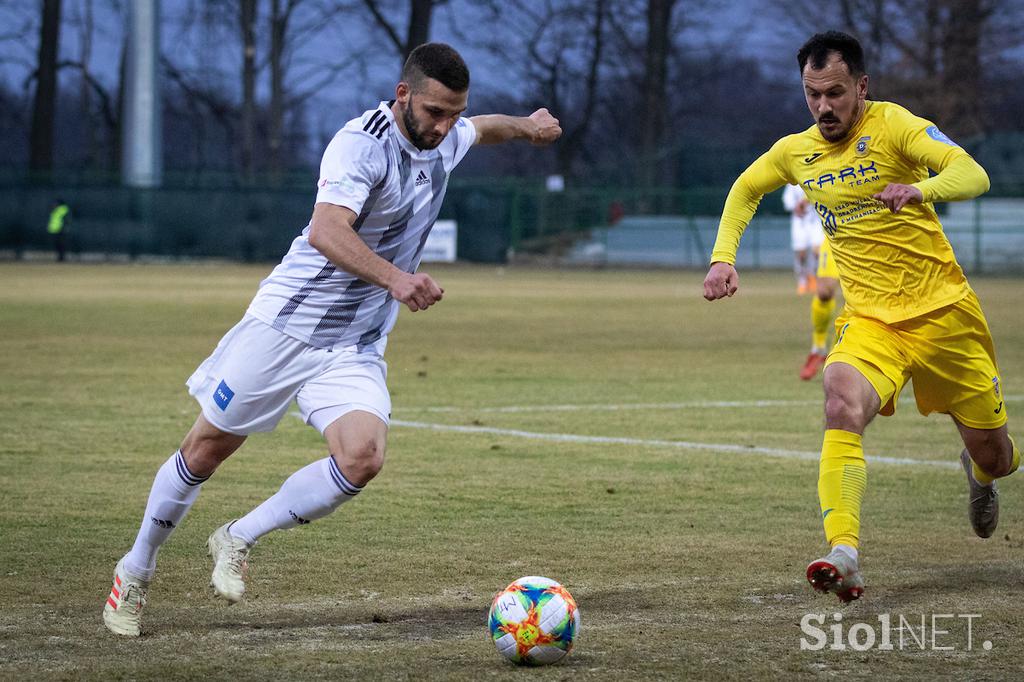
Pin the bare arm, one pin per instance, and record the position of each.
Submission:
(331, 233)
(539, 128)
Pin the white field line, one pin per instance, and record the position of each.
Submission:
(692, 405)
(698, 404)
(677, 444)
(680, 445)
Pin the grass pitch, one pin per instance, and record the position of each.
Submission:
(612, 430)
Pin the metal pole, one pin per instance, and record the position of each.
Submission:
(142, 158)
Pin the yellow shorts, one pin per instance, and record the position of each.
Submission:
(826, 265)
(948, 353)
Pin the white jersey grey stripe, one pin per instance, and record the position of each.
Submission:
(396, 192)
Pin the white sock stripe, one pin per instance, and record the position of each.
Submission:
(340, 480)
(187, 476)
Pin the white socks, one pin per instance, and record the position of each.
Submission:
(310, 493)
(848, 550)
(174, 490)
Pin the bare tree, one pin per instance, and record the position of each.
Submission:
(247, 27)
(280, 16)
(928, 54)
(961, 56)
(418, 18)
(86, 25)
(45, 103)
(565, 53)
(659, 43)
(295, 25)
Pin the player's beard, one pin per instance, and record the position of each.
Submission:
(839, 133)
(836, 133)
(418, 138)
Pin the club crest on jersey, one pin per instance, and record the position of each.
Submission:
(862, 146)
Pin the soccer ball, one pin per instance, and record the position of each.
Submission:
(534, 621)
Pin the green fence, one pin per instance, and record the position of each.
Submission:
(204, 218)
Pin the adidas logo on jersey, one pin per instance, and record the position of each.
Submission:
(422, 179)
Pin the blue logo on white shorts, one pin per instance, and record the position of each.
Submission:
(939, 136)
(223, 395)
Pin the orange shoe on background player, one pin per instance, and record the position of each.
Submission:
(814, 362)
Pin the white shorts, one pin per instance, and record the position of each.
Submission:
(805, 232)
(255, 372)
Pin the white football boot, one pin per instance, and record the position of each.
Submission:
(122, 613)
(837, 572)
(982, 501)
(230, 564)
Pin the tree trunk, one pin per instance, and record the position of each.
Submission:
(45, 104)
(574, 138)
(117, 139)
(247, 24)
(419, 26)
(420, 12)
(659, 20)
(962, 73)
(278, 34)
(85, 89)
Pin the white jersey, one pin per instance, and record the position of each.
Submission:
(396, 191)
(805, 230)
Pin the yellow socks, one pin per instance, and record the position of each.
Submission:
(842, 478)
(984, 479)
(821, 316)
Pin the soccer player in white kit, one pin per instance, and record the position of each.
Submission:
(316, 330)
(805, 237)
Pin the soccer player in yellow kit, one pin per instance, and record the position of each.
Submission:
(910, 312)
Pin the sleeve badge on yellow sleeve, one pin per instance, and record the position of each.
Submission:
(939, 136)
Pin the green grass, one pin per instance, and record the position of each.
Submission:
(686, 562)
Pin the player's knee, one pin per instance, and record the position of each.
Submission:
(843, 413)
(204, 452)
(363, 462)
(1000, 468)
(993, 453)
(826, 289)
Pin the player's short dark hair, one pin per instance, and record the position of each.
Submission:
(821, 45)
(438, 61)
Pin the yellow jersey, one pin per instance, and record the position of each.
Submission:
(892, 266)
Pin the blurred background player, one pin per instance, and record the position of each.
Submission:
(805, 236)
(910, 312)
(823, 304)
(56, 227)
(318, 326)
